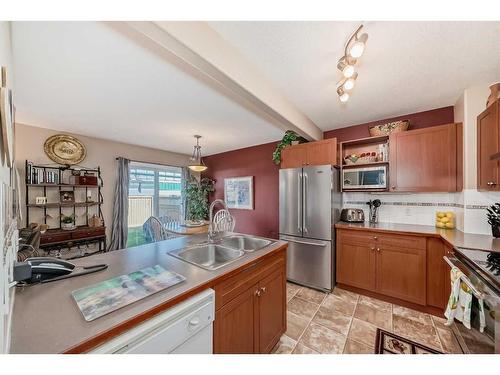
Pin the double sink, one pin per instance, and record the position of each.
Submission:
(212, 256)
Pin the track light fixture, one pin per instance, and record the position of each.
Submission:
(353, 49)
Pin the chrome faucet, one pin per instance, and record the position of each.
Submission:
(212, 233)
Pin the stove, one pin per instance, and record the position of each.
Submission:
(486, 263)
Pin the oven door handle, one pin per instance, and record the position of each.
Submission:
(454, 262)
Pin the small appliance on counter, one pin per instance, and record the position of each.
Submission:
(352, 215)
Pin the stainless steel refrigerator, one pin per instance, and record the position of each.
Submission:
(310, 203)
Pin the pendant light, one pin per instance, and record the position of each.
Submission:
(196, 164)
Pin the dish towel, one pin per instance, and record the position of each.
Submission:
(460, 302)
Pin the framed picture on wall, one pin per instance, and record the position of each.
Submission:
(238, 192)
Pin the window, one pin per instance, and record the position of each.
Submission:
(154, 190)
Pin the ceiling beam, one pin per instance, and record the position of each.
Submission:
(202, 48)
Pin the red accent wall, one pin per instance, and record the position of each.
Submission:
(418, 120)
(257, 162)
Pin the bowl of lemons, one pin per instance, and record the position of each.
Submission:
(445, 220)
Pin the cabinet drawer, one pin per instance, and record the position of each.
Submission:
(237, 284)
(402, 241)
(358, 237)
(94, 232)
(57, 237)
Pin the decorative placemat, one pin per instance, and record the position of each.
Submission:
(389, 343)
(102, 298)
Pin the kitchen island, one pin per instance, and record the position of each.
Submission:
(46, 319)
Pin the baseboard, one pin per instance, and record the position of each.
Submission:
(436, 311)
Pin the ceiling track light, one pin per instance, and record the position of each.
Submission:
(353, 50)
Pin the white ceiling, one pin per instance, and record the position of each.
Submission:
(88, 78)
(407, 66)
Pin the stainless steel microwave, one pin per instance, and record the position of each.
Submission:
(359, 178)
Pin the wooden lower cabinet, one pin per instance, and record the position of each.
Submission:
(401, 273)
(404, 268)
(356, 265)
(250, 316)
(234, 327)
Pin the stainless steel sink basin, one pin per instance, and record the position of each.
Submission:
(245, 243)
(208, 256)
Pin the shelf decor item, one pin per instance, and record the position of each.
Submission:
(495, 94)
(67, 196)
(68, 222)
(65, 149)
(390, 127)
(290, 138)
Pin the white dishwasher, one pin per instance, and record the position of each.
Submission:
(186, 328)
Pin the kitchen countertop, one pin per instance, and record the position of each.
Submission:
(46, 319)
(454, 237)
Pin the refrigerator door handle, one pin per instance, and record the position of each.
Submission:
(304, 209)
(299, 204)
(320, 244)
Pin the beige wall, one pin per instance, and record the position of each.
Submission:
(6, 60)
(100, 152)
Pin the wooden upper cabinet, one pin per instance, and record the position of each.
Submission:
(488, 143)
(426, 159)
(312, 153)
(294, 156)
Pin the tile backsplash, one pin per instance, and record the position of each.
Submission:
(469, 207)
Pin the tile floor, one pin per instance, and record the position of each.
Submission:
(345, 322)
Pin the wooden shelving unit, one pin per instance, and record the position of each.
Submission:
(359, 146)
(56, 238)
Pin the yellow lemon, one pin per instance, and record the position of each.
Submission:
(440, 214)
(449, 225)
(445, 219)
(440, 225)
(449, 214)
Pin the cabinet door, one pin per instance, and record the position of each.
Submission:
(356, 265)
(401, 273)
(487, 145)
(424, 159)
(294, 156)
(236, 323)
(437, 270)
(272, 310)
(322, 152)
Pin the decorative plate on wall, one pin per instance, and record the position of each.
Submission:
(65, 149)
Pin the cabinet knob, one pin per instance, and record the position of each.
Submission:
(258, 292)
(491, 183)
(393, 187)
(378, 250)
(373, 249)
(375, 238)
(263, 289)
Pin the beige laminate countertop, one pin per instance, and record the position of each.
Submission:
(454, 237)
(46, 319)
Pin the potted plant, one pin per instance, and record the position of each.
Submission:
(197, 192)
(68, 222)
(289, 138)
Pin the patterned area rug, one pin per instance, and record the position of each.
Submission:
(389, 343)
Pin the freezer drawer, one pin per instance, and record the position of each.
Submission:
(309, 262)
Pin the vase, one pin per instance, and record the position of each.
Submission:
(495, 94)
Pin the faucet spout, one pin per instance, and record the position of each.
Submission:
(212, 232)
